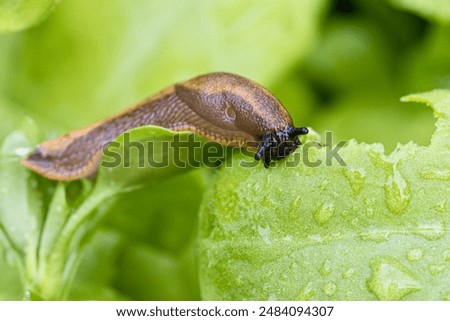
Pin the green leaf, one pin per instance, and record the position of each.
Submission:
(376, 228)
(147, 154)
(17, 15)
(48, 235)
(434, 10)
(21, 214)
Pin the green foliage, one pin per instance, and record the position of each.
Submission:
(375, 229)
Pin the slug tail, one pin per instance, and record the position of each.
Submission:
(50, 168)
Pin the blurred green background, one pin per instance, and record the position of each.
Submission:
(337, 66)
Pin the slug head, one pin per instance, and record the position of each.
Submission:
(278, 144)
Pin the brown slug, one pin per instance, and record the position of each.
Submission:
(221, 107)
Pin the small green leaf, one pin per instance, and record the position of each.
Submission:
(21, 214)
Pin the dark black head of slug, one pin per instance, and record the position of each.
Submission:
(279, 144)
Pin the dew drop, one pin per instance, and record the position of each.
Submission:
(435, 269)
(431, 230)
(306, 294)
(296, 203)
(294, 212)
(324, 213)
(356, 180)
(22, 151)
(376, 158)
(397, 194)
(348, 274)
(390, 280)
(414, 255)
(330, 288)
(325, 269)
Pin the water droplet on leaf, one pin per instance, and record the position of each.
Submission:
(330, 288)
(325, 269)
(437, 268)
(356, 180)
(390, 280)
(306, 294)
(397, 194)
(348, 274)
(294, 212)
(324, 213)
(296, 203)
(377, 158)
(414, 255)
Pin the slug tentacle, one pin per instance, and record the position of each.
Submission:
(221, 107)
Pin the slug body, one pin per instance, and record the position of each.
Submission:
(220, 107)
